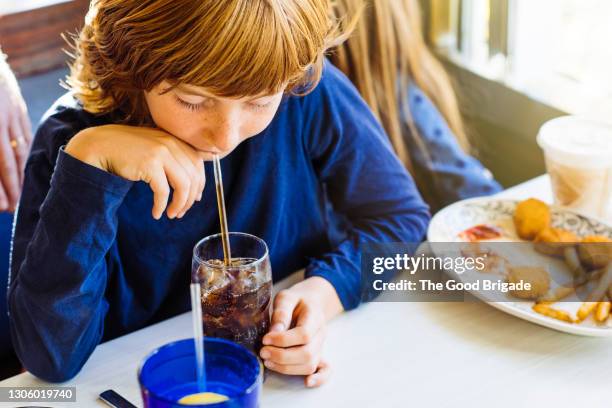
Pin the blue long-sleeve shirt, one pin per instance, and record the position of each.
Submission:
(90, 263)
(448, 173)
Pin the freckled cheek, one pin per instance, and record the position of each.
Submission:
(255, 125)
(173, 120)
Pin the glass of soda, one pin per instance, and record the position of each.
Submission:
(236, 298)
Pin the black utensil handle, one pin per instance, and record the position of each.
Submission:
(115, 400)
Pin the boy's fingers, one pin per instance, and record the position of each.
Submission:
(284, 305)
(199, 175)
(320, 376)
(182, 157)
(197, 160)
(192, 194)
(308, 353)
(161, 191)
(292, 369)
(181, 186)
(307, 326)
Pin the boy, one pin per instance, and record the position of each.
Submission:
(158, 87)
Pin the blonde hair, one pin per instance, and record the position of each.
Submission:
(233, 48)
(385, 53)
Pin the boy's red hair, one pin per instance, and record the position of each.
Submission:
(233, 48)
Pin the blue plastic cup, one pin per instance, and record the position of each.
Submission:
(169, 373)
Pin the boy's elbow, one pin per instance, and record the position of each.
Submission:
(424, 216)
(45, 359)
(415, 225)
(55, 374)
(50, 346)
(57, 371)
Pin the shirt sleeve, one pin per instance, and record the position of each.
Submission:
(366, 182)
(446, 173)
(65, 224)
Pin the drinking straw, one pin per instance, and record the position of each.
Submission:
(227, 254)
(198, 334)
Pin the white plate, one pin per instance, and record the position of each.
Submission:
(450, 221)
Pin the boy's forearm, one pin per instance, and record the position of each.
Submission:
(58, 270)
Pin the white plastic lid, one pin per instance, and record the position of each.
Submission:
(577, 141)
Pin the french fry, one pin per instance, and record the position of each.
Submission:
(596, 274)
(585, 310)
(602, 287)
(603, 311)
(570, 254)
(546, 310)
(565, 290)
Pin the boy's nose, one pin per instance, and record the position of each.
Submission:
(226, 136)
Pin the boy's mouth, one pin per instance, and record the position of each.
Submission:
(211, 153)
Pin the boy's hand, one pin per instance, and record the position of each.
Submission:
(146, 154)
(295, 341)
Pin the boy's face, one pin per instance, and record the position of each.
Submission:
(209, 123)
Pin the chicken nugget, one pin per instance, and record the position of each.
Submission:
(595, 251)
(530, 217)
(552, 241)
(536, 276)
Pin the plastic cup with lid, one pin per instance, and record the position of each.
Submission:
(578, 155)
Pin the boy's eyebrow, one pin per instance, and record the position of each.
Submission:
(194, 91)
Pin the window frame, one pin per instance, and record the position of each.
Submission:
(498, 66)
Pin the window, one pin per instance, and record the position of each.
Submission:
(559, 51)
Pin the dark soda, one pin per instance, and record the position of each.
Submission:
(237, 306)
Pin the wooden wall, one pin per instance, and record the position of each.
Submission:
(32, 38)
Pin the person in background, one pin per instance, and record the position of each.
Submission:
(407, 88)
(15, 139)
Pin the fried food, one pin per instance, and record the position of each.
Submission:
(585, 310)
(558, 294)
(595, 251)
(546, 310)
(603, 311)
(572, 260)
(537, 277)
(552, 241)
(530, 217)
(602, 286)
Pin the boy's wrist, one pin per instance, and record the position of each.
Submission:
(324, 293)
(80, 147)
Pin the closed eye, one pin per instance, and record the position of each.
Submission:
(259, 106)
(187, 105)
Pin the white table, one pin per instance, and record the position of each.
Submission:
(402, 354)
